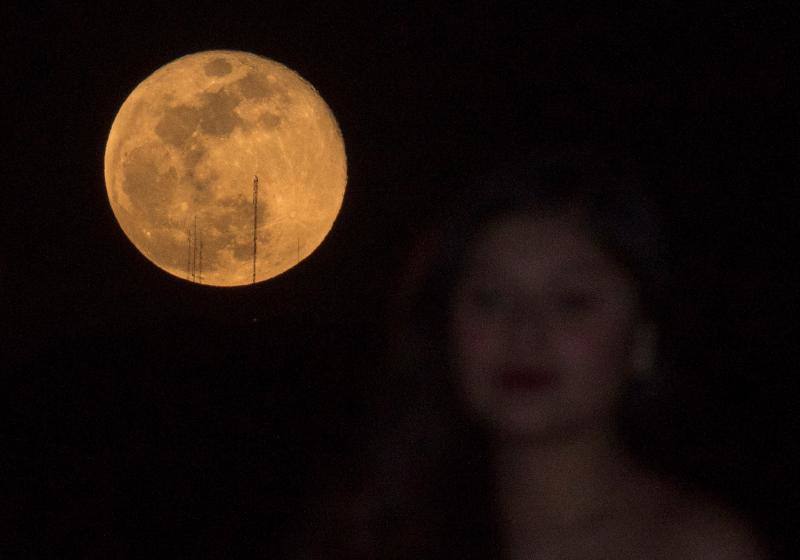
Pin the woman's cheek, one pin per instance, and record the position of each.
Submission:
(475, 336)
(597, 355)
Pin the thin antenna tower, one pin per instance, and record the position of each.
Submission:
(194, 251)
(200, 269)
(255, 223)
(295, 225)
(188, 253)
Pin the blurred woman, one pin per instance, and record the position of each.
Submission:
(525, 330)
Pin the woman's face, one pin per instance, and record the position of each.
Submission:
(545, 327)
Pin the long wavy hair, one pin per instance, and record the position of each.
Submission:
(422, 487)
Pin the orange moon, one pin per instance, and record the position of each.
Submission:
(185, 150)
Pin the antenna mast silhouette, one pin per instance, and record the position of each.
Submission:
(193, 271)
(200, 268)
(194, 251)
(255, 223)
(188, 253)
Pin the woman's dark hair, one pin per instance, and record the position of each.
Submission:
(601, 186)
(426, 482)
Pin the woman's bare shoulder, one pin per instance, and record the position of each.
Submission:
(702, 527)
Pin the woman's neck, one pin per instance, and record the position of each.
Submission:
(557, 486)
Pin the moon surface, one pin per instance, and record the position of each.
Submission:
(185, 150)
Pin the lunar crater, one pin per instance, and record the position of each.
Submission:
(217, 115)
(268, 120)
(178, 124)
(149, 181)
(218, 67)
(252, 86)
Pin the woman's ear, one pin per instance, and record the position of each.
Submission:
(643, 351)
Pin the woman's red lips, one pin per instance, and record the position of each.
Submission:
(526, 379)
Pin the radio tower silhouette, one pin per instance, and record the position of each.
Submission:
(194, 252)
(194, 272)
(255, 224)
(188, 253)
(200, 268)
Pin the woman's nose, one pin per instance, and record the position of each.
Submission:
(528, 326)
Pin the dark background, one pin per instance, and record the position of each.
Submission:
(155, 415)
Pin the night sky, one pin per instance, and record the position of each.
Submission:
(159, 415)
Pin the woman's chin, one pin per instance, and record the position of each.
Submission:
(536, 427)
(522, 424)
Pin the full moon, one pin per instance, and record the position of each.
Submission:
(225, 168)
